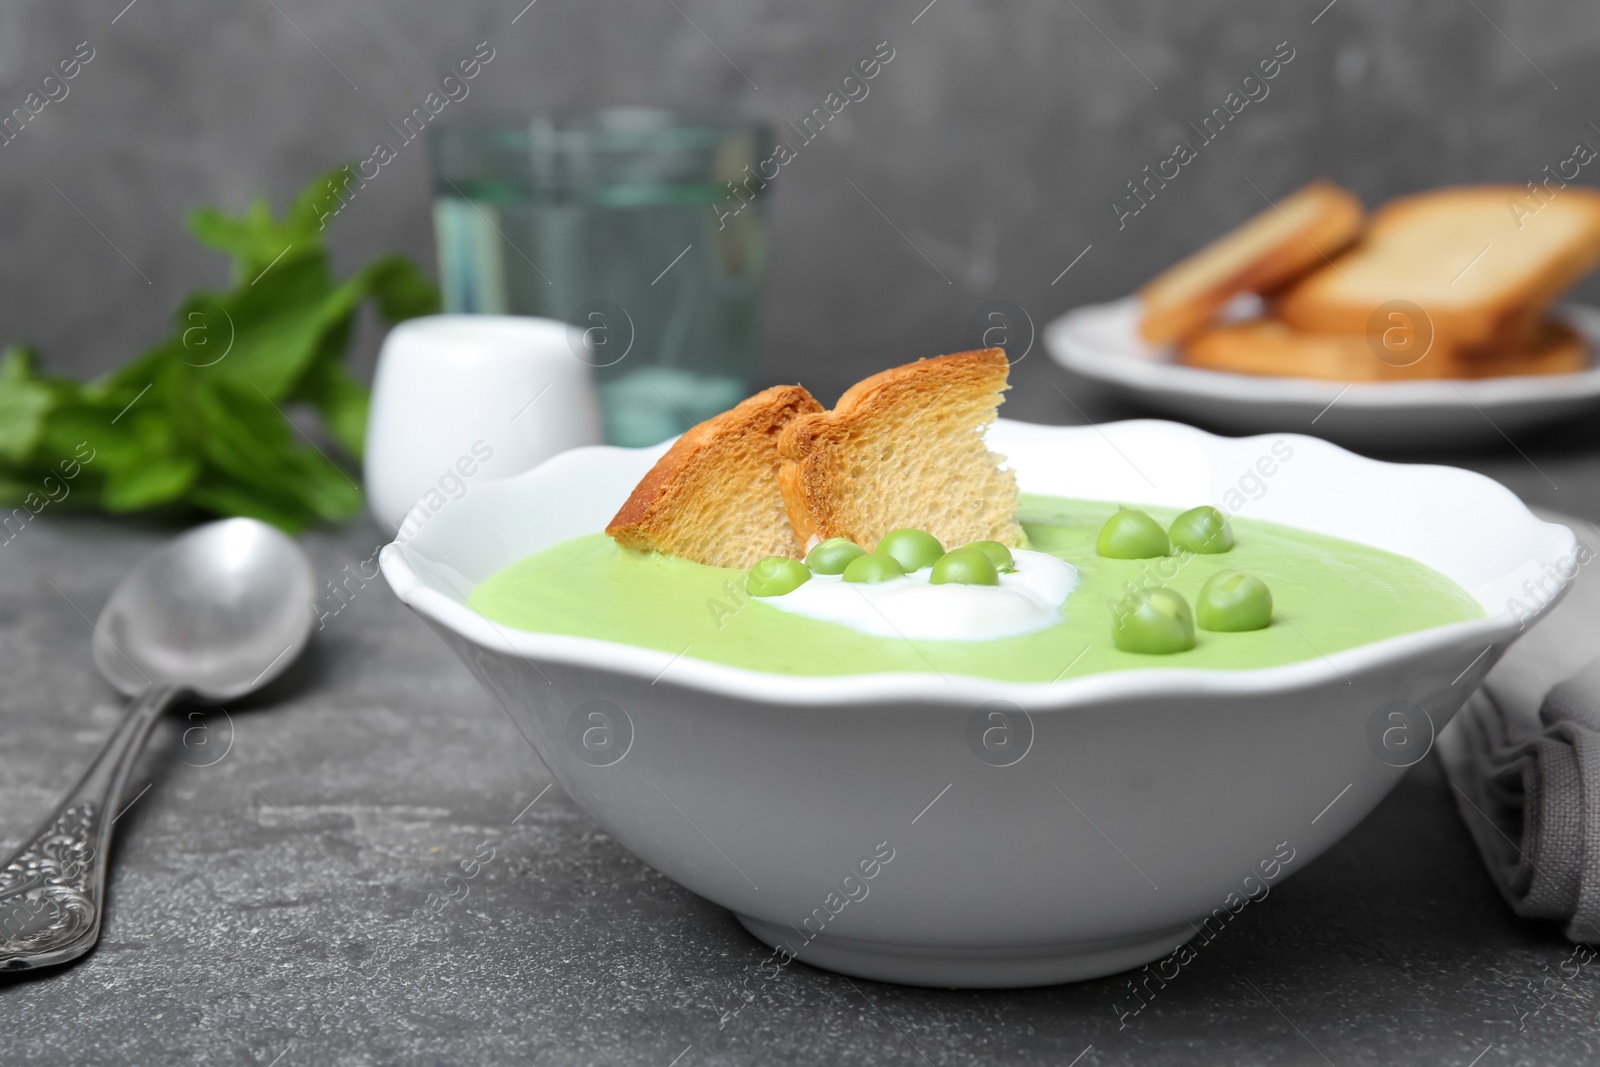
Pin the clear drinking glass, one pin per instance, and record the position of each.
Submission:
(644, 229)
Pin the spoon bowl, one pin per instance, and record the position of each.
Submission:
(219, 610)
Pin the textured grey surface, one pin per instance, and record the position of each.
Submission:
(994, 142)
(266, 905)
(264, 908)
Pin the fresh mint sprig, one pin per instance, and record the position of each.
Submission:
(198, 422)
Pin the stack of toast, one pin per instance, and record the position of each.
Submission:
(1453, 283)
(778, 473)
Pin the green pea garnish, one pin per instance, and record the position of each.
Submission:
(965, 566)
(1232, 601)
(912, 549)
(1155, 622)
(998, 554)
(833, 555)
(775, 576)
(1131, 534)
(872, 567)
(1204, 530)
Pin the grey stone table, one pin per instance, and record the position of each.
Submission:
(270, 902)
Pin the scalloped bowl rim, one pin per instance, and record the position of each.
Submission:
(400, 563)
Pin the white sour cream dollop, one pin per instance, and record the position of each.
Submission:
(1028, 599)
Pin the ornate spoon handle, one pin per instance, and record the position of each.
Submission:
(52, 889)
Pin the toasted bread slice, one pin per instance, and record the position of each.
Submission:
(1300, 233)
(1556, 348)
(1270, 348)
(714, 496)
(905, 448)
(1483, 270)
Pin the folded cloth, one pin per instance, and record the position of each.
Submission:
(1524, 758)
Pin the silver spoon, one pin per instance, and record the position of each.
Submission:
(215, 613)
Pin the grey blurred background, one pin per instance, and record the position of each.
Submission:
(986, 156)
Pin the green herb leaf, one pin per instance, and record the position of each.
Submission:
(223, 497)
(24, 403)
(149, 484)
(340, 400)
(403, 291)
(201, 419)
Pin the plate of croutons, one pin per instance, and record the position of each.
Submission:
(1431, 320)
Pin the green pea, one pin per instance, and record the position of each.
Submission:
(998, 554)
(912, 549)
(1156, 622)
(871, 567)
(833, 555)
(965, 566)
(1131, 534)
(775, 576)
(1204, 530)
(1232, 601)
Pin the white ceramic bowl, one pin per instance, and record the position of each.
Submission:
(1143, 802)
(1101, 342)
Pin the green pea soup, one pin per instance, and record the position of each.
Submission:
(1328, 594)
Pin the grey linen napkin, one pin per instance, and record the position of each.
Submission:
(1523, 757)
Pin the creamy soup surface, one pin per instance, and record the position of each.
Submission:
(1328, 595)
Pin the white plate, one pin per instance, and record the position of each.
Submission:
(1101, 342)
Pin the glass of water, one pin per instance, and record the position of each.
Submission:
(644, 229)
